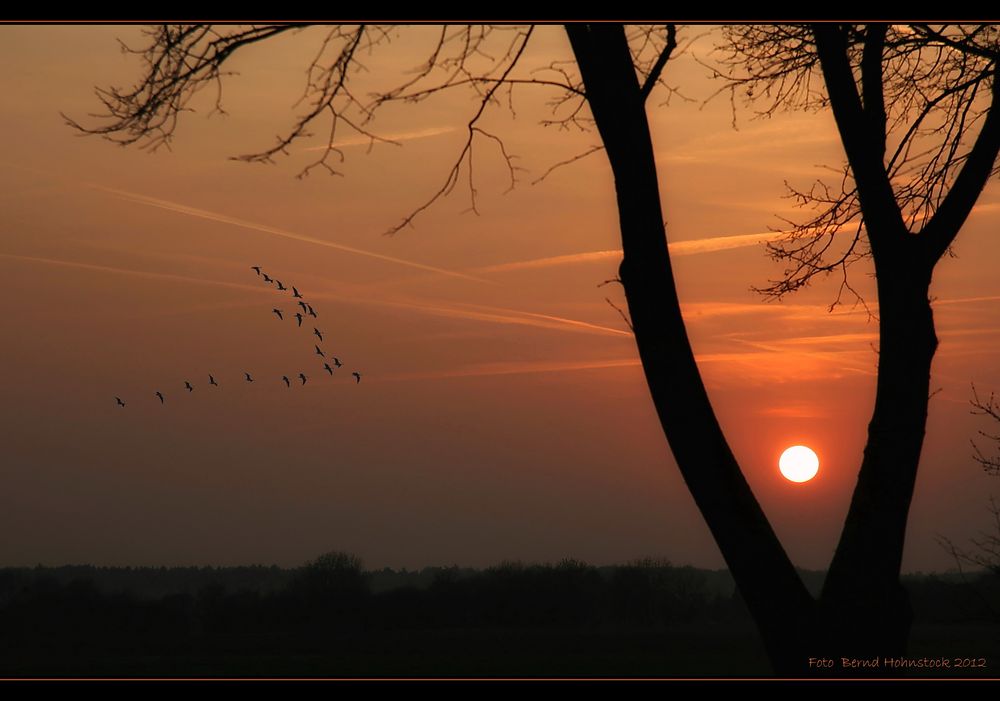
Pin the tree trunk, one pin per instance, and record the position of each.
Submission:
(774, 593)
(862, 601)
(863, 606)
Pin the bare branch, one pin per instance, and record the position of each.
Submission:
(989, 407)
(466, 153)
(661, 61)
(568, 161)
(180, 61)
(926, 95)
(621, 313)
(985, 550)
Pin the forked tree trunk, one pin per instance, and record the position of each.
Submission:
(864, 607)
(863, 610)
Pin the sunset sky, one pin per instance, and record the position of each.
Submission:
(502, 412)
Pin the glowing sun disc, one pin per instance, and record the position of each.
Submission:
(798, 464)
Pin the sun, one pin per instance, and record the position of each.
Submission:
(798, 463)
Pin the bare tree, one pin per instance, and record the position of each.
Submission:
(990, 408)
(890, 89)
(917, 111)
(985, 549)
(982, 552)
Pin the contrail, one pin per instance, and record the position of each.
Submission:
(573, 322)
(495, 315)
(677, 248)
(567, 259)
(128, 271)
(965, 300)
(224, 219)
(491, 369)
(392, 139)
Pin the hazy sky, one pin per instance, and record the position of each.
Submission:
(502, 413)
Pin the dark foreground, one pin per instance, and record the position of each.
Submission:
(332, 619)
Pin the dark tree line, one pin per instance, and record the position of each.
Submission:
(331, 607)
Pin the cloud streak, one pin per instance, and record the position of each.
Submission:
(774, 361)
(149, 275)
(274, 231)
(495, 315)
(393, 139)
(517, 368)
(677, 248)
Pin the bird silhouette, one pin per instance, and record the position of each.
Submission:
(295, 293)
(357, 376)
(320, 353)
(288, 383)
(317, 332)
(311, 312)
(249, 379)
(278, 312)
(266, 278)
(257, 268)
(211, 381)
(281, 287)
(119, 401)
(160, 395)
(188, 386)
(299, 317)
(302, 377)
(303, 305)
(336, 361)
(326, 366)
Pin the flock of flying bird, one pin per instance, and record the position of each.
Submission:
(306, 310)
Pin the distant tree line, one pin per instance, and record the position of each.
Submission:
(47, 613)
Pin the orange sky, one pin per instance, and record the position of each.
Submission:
(502, 412)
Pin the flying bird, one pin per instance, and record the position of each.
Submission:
(299, 317)
(288, 383)
(249, 379)
(120, 402)
(160, 395)
(267, 279)
(257, 268)
(320, 353)
(278, 312)
(317, 332)
(302, 377)
(326, 366)
(211, 381)
(188, 386)
(357, 376)
(311, 312)
(295, 293)
(280, 286)
(336, 361)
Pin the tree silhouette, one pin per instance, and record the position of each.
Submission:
(891, 89)
(917, 111)
(989, 408)
(982, 551)
(985, 549)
